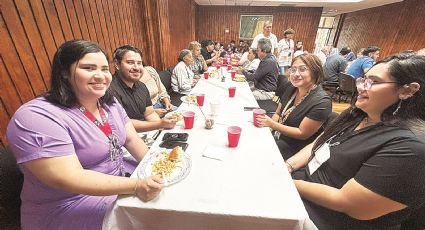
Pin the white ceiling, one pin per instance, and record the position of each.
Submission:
(330, 7)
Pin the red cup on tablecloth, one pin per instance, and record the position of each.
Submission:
(232, 91)
(229, 67)
(200, 99)
(255, 113)
(206, 75)
(189, 118)
(233, 134)
(233, 74)
(217, 66)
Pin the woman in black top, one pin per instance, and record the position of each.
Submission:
(366, 170)
(303, 108)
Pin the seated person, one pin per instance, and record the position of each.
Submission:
(362, 64)
(334, 65)
(182, 80)
(265, 77)
(366, 170)
(207, 51)
(303, 108)
(68, 145)
(198, 65)
(244, 48)
(160, 99)
(253, 61)
(133, 95)
(218, 50)
(231, 48)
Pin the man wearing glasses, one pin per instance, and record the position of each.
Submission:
(264, 79)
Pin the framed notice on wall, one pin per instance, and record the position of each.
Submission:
(251, 25)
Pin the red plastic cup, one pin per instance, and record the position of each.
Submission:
(255, 113)
(200, 99)
(224, 60)
(189, 118)
(233, 134)
(233, 74)
(229, 67)
(232, 91)
(218, 66)
(206, 75)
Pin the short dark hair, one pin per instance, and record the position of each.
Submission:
(314, 64)
(370, 49)
(122, 50)
(70, 52)
(345, 50)
(288, 31)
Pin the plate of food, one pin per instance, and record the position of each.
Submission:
(190, 99)
(178, 116)
(239, 78)
(172, 165)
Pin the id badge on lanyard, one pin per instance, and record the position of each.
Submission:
(320, 157)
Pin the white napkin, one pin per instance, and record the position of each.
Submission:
(214, 152)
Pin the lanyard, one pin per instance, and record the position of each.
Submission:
(103, 125)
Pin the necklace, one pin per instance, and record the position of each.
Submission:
(286, 111)
(115, 152)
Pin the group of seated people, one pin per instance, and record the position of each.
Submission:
(362, 172)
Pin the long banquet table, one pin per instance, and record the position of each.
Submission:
(249, 188)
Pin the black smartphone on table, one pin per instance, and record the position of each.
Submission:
(173, 144)
(175, 137)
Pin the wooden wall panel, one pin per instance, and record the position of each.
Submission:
(182, 27)
(394, 27)
(212, 20)
(31, 31)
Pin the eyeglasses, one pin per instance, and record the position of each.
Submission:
(301, 69)
(367, 83)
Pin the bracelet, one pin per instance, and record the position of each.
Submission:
(135, 187)
(290, 166)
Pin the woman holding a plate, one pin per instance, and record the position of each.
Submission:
(68, 145)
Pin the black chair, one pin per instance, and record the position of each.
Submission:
(330, 86)
(346, 88)
(165, 77)
(11, 180)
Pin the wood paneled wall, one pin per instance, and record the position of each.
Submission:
(393, 28)
(182, 27)
(212, 20)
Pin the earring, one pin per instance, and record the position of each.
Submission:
(398, 107)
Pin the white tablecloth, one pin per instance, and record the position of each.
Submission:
(249, 188)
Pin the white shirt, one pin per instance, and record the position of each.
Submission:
(272, 38)
(181, 80)
(243, 59)
(286, 52)
(322, 57)
(252, 65)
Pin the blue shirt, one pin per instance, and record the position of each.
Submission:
(357, 68)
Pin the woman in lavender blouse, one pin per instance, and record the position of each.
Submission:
(68, 145)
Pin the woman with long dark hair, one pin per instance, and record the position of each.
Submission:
(366, 170)
(68, 145)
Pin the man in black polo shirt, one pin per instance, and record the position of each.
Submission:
(133, 94)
